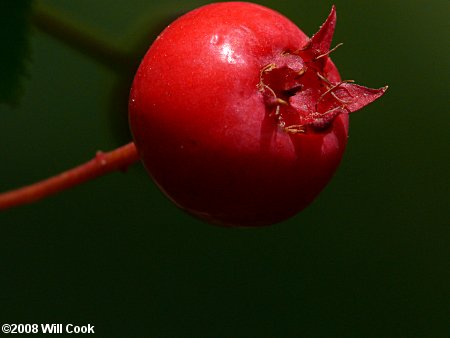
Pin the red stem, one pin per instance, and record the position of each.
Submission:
(102, 163)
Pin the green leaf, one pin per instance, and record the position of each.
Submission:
(14, 31)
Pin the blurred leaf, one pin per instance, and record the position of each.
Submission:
(14, 29)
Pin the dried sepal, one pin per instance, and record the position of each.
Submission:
(358, 96)
(298, 92)
(320, 43)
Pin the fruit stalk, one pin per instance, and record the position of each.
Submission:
(117, 159)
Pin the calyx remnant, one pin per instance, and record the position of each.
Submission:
(298, 93)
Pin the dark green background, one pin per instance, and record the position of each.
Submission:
(370, 258)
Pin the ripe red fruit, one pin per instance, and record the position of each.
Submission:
(238, 116)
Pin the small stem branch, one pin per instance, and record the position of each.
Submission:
(53, 24)
(102, 163)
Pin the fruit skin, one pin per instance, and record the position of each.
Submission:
(204, 130)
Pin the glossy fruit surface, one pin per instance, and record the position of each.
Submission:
(238, 116)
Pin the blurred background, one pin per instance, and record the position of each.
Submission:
(369, 258)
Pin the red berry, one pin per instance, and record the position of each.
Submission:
(238, 116)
